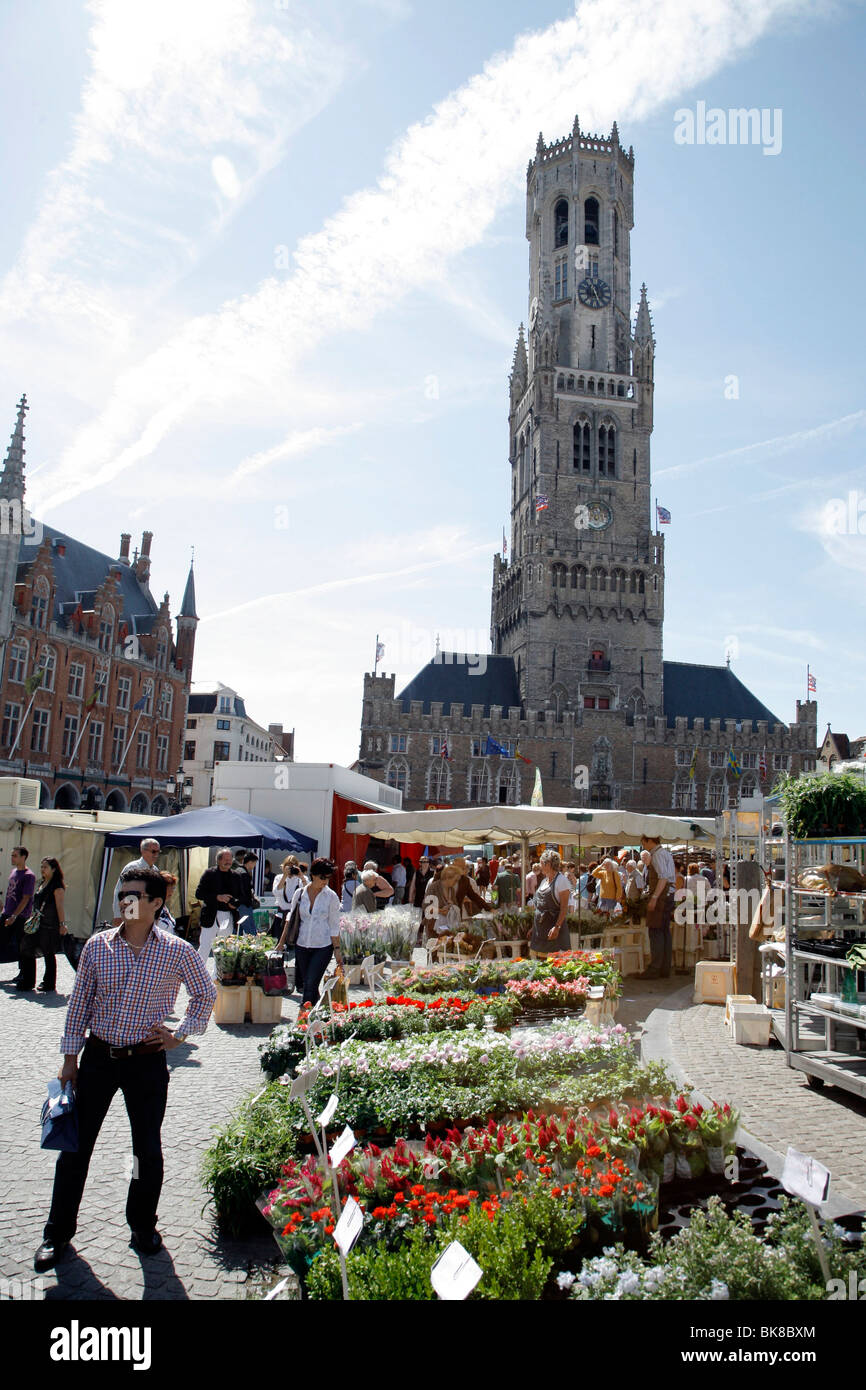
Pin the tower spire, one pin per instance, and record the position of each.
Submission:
(643, 329)
(187, 607)
(12, 478)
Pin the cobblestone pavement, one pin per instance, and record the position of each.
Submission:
(207, 1080)
(776, 1105)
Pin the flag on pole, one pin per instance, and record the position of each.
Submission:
(762, 765)
(380, 651)
(33, 682)
(733, 763)
(663, 515)
(520, 758)
(537, 798)
(94, 696)
(693, 765)
(491, 746)
(140, 704)
(541, 503)
(443, 753)
(504, 543)
(813, 684)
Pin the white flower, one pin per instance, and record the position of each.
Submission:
(628, 1282)
(588, 1278)
(719, 1290)
(606, 1268)
(565, 1280)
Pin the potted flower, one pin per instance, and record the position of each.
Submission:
(717, 1127)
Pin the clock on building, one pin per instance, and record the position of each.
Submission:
(595, 294)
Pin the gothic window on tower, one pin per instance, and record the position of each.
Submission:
(748, 788)
(607, 451)
(590, 222)
(560, 279)
(560, 224)
(439, 781)
(717, 794)
(582, 457)
(683, 794)
(578, 577)
(477, 785)
(397, 775)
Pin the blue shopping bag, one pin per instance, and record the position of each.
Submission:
(60, 1118)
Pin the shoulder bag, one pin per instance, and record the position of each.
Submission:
(294, 926)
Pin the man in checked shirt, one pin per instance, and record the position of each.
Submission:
(127, 984)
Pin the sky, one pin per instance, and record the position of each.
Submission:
(262, 265)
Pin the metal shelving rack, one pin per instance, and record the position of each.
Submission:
(828, 1043)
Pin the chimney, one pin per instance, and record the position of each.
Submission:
(142, 564)
(125, 539)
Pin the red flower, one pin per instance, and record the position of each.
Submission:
(329, 1230)
(593, 1151)
(690, 1122)
(417, 1190)
(682, 1104)
(606, 1190)
(430, 1217)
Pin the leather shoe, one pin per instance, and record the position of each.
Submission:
(27, 989)
(45, 989)
(47, 1255)
(146, 1242)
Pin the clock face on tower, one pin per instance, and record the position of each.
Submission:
(595, 294)
(592, 516)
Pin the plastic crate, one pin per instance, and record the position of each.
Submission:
(751, 1025)
(733, 999)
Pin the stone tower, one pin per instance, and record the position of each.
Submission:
(580, 604)
(13, 518)
(187, 623)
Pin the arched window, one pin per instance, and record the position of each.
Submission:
(439, 780)
(39, 603)
(683, 793)
(560, 223)
(138, 806)
(590, 222)
(578, 577)
(607, 451)
(48, 666)
(748, 787)
(598, 579)
(106, 629)
(19, 655)
(508, 786)
(617, 582)
(559, 574)
(166, 702)
(478, 784)
(397, 775)
(717, 794)
(582, 449)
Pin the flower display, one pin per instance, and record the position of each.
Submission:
(386, 935)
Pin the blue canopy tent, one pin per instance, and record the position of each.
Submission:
(212, 825)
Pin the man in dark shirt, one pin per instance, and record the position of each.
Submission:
(19, 899)
(506, 885)
(222, 888)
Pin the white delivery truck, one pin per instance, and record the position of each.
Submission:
(314, 798)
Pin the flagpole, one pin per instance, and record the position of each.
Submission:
(376, 662)
(80, 737)
(21, 726)
(128, 742)
(807, 682)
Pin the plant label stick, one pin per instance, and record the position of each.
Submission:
(455, 1273)
(328, 1112)
(349, 1226)
(809, 1180)
(304, 1082)
(342, 1146)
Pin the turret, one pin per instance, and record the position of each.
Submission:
(187, 622)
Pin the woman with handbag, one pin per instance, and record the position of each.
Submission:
(43, 930)
(315, 918)
(286, 884)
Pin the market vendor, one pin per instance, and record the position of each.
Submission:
(466, 895)
(661, 878)
(550, 929)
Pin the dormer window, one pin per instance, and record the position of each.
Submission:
(590, 222)
(560, 224)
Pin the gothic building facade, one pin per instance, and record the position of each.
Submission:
(93, 687)
(577, 681)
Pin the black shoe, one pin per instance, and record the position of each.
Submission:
(45, 989)
(146, 1242)
(48, 1255)
(28, 989)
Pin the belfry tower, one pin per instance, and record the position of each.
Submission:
(579, 605)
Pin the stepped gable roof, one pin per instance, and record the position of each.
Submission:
(205, 702)
(464, 679)
(709, 692)
(81, 571)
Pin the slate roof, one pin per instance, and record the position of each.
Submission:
(709, 692)
(464, 679)
(81, 571)
(206, 703)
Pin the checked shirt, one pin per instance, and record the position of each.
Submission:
(120, 997)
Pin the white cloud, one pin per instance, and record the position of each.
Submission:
(840, 526)
(225, 176)
(442, 185)
(294, 445)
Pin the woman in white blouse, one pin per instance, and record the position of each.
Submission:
(318, 932)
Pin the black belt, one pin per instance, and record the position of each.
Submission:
(128, 1050)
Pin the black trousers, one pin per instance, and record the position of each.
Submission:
(311, 962)
(46, 941)
(143, 1079)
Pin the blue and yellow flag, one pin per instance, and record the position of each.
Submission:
(733, 763)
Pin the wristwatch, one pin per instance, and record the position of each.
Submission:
(181, 1037)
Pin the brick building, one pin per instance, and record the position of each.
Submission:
(94, 687)
(577, 678)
